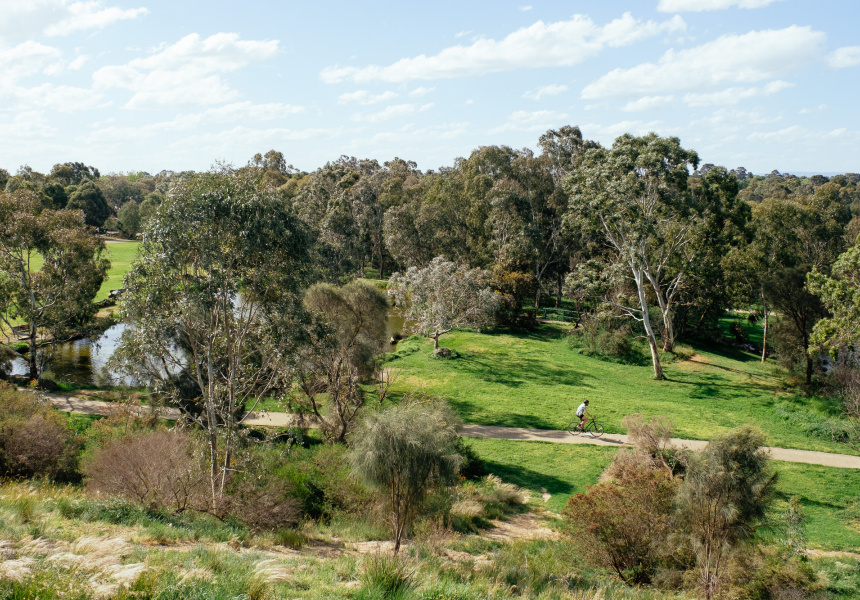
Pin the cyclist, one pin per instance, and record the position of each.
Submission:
(583, 414)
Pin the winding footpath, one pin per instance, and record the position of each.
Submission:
(278, 419)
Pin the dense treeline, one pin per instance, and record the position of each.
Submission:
(637, 235)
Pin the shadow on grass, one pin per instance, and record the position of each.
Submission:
(514, 371)
(472, 412)
(529, 479)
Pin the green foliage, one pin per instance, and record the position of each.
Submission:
(444, 296)
(215, 296)
(723, 500)
(51, 266)
(840, 293)
(386, 578)
(89, 199)
(345, 342)
(403, 451)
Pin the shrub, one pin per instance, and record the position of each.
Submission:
(725, 495)
(155, 469)
(386, 577)
(34, 440)
(472, 467)
(402, 452)
(324, 484)
(623, 526)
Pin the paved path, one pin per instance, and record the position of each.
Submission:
(279, 419)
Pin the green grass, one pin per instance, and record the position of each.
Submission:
(561, 469)
(121, 254)
(535, 379)
(830, 498)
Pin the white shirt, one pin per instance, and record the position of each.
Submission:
(582, 408)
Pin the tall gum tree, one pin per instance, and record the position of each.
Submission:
(51, 267)
(635, 197)
(215, 302)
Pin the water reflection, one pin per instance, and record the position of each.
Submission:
(81, 360)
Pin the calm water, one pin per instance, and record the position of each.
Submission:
(78, 361)
(81, 361)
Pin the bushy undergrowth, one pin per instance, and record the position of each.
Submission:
(34, 440)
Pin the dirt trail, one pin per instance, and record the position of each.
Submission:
(279, 419)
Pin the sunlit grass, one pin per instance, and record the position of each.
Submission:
(535, 379)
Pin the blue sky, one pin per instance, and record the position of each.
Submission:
(151, 85)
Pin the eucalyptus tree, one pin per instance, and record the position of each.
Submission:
(51, 267)
(345, 342)
(635, 197)
(840, 294)
(444, 296)
(214, 299)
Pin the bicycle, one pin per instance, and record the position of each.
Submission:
(592, 427)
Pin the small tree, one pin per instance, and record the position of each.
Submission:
(444, 296)
(404, 450)
(51, 267)
(723, 499)
(344, 345)
(216, 304)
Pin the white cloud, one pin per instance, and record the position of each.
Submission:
(648, 103)
(26, 126)
(547, 90)
(796, 134)
(559, 44)
(26, 19)
(185, 73)
(391, 112)
(747, 58)
(608, 133)
(238, 112)
(91, 15)
(421, 91)
(526, 8)
(365, 97)
(849, 56)
(676, 6)
(62, 98)
(78, 62)
(523, 120)
(28, 59)
(464, 33)
(734, 95)
(409, 133)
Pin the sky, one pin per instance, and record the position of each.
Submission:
(147, 85)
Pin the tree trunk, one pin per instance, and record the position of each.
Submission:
(560, 282)
(435, 337)
(537, 296)
(638, 277)
(764, 339)
(31, 358)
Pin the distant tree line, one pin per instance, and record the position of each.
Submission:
(637, 233)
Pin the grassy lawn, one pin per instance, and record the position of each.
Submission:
(560, 469)
(830, 498)
(121, 254)
(535, 379)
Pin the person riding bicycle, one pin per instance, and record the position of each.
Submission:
(583, 414)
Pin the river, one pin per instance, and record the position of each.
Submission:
(82, 361)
